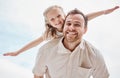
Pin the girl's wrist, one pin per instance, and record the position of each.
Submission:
(18, 51)
(104, 12)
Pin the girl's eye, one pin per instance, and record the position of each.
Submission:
(59, 16)
(52, 19)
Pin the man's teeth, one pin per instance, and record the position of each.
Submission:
(72, 33)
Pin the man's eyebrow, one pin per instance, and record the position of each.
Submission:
(68, 20)
(77, 21)
(74, 21)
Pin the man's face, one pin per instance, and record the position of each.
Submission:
(74, 28)
(56, 18)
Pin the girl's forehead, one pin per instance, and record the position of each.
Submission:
(54, 12)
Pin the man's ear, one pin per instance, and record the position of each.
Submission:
(85, 30)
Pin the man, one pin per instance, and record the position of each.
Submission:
(70, 56)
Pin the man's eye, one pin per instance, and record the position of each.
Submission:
(68, 24)
(77, 25)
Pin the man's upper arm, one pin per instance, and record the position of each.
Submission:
(38, 76)
(100, 67)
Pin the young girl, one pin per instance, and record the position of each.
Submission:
(54, 19)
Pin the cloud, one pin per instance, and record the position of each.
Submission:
(11, 70)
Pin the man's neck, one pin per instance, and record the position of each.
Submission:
(71, 45)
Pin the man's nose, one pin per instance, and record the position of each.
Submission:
(71, 27)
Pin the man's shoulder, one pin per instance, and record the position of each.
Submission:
(92, 49)
(89, 45)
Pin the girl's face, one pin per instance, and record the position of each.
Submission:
(56, 18)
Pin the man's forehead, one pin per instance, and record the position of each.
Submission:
(75, 17)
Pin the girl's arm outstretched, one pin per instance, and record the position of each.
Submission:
(26, 47)
(99, 13)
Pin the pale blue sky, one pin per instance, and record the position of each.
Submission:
(22, 21)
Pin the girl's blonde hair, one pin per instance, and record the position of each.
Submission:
(50, 31)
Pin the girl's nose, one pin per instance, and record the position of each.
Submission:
(57, 20)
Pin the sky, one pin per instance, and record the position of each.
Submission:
(22, 21)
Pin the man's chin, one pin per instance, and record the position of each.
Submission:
(70, 39)
(71, 36)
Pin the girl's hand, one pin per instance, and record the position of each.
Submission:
(111, 10)
(11, 54)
